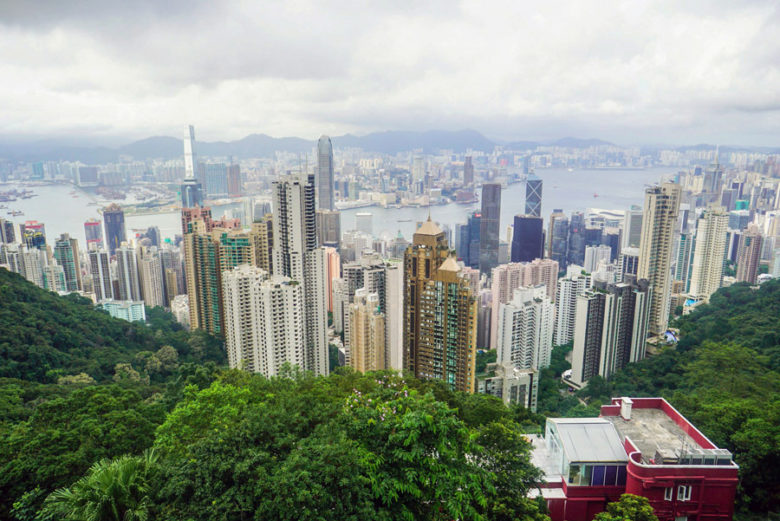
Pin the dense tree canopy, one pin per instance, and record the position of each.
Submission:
(46, 337)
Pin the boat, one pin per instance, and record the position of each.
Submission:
(571, 170)
(404, 220)
(595, 195)
(16, 213)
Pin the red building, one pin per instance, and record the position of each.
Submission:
(640, 446)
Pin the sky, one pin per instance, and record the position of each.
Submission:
(634, 72)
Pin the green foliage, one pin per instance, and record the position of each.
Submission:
(46, 336)
(112, 490)
(333, 357)
(349, 446)
(628, 508)
(64, 436)
(484, 357)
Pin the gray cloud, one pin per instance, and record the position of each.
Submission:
(626, 71)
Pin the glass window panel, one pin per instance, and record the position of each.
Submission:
(587, 474)
(621, 478)
(611, 476)
(598, 476)
(574, 475)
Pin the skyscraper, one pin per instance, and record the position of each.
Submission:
(234, 186)
(366, 341)
(329, 228)
(93, 230)
(662, 204)
(505, 279)
(203, 276)
(468, 171)
(533, 196)
(190, 157)
(576, 246)
(610, 329)
(264, 317)
(489, 227)
(33, 234)
(632, 227)
(528, 238)
(191, 187)
(574, 283)
(216, 180)
(127, 273)
(558, 237)
(114, 221)
(440, 313)
(100, 269)
(325, 176)
(150, 269)
(7, 235)
(296, 255)
(191, 193)
(595, 255)
(263, 236)
(468, 240)
(628, 263)
(708, 259)
(525, 329)
(66, 252)
(749, 254)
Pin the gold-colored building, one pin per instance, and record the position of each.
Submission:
(440, 312)
(366, 340)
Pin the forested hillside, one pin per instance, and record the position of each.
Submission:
(46, 337)
(102, 419)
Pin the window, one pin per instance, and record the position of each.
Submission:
(668, 493)
(681, 518)
(684, 493)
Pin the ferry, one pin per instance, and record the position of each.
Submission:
(16, 213)
(404, 220)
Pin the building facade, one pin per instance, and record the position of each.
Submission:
(662, 204)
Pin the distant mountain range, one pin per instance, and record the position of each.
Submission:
(262, 145)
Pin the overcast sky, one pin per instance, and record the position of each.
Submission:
(631, 72)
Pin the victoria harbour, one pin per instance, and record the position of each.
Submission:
(64, 210)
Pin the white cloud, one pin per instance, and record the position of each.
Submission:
(629, 71)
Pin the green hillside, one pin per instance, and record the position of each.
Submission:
(45, 336)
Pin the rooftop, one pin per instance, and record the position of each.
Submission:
(652, 430)
(589, 440)
(428, 228)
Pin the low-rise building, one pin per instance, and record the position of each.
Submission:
(640, 446)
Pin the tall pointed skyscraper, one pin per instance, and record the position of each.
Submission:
(191, 189)
(325, 174)
(533, 196)
(489, 227)
(296, 255)
(662, 203)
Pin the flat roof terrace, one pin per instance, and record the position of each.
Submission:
(652, 430)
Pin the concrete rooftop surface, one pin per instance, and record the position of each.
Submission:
(650, 430)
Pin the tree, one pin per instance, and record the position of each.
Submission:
(76, 379)
(64, 436)
(628, 508)
(506, 457)
(112, 490)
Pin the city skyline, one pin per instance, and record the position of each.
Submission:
(629, 73)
